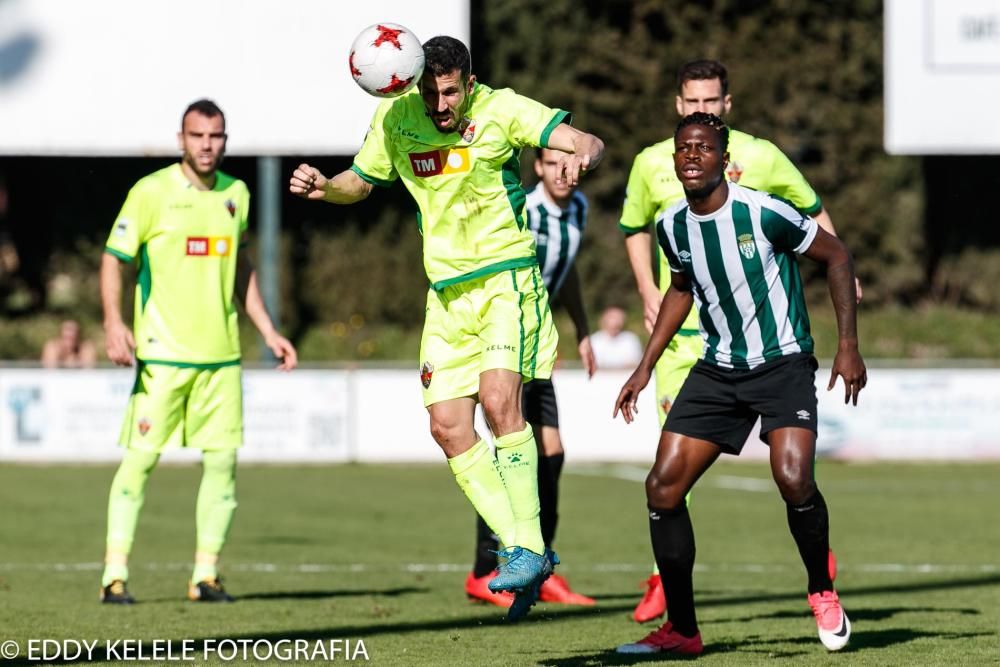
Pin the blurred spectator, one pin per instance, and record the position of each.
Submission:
(69, 350)
(613, 346)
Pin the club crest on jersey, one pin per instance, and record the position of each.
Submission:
(734, 171)
(444, 161)
(426, 374)
(208, 246)
(231, 207)
(469, 133)
(747, 246)
(144, 426)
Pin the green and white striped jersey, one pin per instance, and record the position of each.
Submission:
(741, 262)
(557, 233)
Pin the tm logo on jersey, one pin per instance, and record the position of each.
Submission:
(443, 161)
(208, 246)
(747, 246)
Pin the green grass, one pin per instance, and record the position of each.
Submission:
(392, 543)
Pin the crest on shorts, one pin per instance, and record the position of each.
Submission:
(144, 426)
(665, 404)
(426, 373)
(747, 246)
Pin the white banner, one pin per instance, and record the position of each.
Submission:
(112, 77)
(378, 416)
(937, 51)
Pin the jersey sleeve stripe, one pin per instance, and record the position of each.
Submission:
(119, 254)
(560, 117)
(370, 179)
(814, 209)
(629, 231)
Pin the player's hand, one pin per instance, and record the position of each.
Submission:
(308, 182)
(651, 300)
(858, 292)
(629, 395)
(119, 343)
(587, 356)
(571, 166)
(282, 349)
(849, 365)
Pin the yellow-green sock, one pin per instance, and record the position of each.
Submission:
(517, 456)
(476, 473)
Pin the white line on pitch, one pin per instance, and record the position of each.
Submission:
(323, 568)
(638, 474)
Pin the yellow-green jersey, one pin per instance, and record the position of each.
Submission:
(756, 163)
(467, 184)
(185, 241)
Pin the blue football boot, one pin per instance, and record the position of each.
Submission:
(519, 568)
(525, 599)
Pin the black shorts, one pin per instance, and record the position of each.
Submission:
(722, 405)
(539, 403)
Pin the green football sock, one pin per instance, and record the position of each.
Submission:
(216, 501)
(128, 491)
(517, 457)
(476, 473)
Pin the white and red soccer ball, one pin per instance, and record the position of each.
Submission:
(386, 60)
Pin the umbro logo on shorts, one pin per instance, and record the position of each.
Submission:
(803, 415)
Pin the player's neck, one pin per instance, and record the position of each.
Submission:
(561, 202)
(710, 202)
(200, 182)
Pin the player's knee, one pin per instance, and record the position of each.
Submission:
(796, 486)
(447, 434)
(502, 411)
(661, 493)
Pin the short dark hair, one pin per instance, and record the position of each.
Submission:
(703, 70)
(443, 55)
(708, 120)
(205, 107)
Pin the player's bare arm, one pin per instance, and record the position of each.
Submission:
(674, 310)
(344, 188)
(248, 294)
(572, 298)
(584, 152)
(848, 364)
(639, 247)
(118, 340)
(823, 220)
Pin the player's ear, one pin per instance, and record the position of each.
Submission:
(471, 84)
(180, 141)
(539, 172)
(727, 103)
(679, 105)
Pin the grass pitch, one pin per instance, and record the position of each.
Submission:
(378, 554)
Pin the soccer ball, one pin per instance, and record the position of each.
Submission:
(386, 60)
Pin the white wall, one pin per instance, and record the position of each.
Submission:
(377, 416)
(111, 77)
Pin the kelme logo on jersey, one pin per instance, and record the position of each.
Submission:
(426, 373)
(208, 246)
(747, 247)
(443, 161)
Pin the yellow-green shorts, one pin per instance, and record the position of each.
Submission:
(501, 320)
(673, 368)
(182, 406)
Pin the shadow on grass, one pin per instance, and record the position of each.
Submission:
(855, 614)
(320, 595)
(860, 640)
